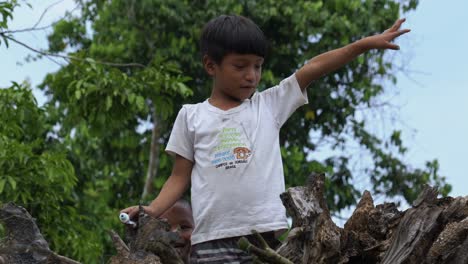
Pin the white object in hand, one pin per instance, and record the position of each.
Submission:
(124, 218)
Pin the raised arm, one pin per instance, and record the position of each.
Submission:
(335, 59)
(172, 190)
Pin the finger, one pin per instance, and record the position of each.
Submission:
(399, 33)
(128, 209)
(131, 211)
(396, 25)
(393, 46)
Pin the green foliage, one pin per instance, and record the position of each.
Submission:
(138, 31)
(35, 173)
(6, 12)
(102, 111)
(132, 69)
(68, 33)
(6, 9)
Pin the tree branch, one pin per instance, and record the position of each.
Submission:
(35, 28)
(45, 11)
(66, 57)
(153, 163)
(265, 253)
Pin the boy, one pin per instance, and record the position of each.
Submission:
(228, 146)
(179, 217)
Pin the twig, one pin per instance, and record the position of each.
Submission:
(26, 29)
(265, 253)
(65, 57)
(118, 243)
(45, 11)
(35, 28)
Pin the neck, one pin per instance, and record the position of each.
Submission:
(224, 104)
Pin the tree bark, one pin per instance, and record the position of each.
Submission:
(434, 230)
(24, 242)
(153, 163)
(150, 242)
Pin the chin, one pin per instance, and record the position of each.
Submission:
(244, 97)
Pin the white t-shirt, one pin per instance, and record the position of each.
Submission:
(237, 175)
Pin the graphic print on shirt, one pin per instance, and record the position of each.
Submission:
(232, 150)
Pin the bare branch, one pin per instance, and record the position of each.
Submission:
(26, 29)
(45, 11)
(67, 58)
(35, 28)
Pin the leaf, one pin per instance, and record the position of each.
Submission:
(2, 184)
(79, 83)
(310, 115)
(140, 102)
(108, 103)
(12, 182)
(131, 98)
(77, 94)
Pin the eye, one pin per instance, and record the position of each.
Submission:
(239, 66)
(258, 66)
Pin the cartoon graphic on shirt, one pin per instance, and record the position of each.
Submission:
(232, 149)
(242, 153)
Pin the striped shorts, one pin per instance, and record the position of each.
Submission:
(225, 250)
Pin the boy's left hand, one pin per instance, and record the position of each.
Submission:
(383, 40)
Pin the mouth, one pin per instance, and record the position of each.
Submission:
(248, 87)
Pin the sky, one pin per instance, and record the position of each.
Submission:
(434, 94)
(432, 97)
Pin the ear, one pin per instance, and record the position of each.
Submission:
(209, 65)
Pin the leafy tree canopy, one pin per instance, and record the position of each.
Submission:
(130, 65)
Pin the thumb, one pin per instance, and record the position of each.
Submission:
(131, 211)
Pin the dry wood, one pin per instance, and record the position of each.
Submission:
(150, 242)
(434, 230)
(24, 242)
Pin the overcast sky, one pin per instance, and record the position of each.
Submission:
(433, 91)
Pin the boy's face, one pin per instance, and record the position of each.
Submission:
(180, 219)
(236, 77)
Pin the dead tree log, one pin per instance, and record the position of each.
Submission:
(314, 237)
(24, 242)
(150, 242)
(432, 231)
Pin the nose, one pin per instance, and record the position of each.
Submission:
(250, 74)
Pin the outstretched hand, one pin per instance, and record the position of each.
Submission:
(383, 40)
(133, 211)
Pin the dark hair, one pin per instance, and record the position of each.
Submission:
(232, 34)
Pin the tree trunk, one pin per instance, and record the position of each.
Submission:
(153, 163)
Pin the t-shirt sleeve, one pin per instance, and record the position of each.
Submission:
(181, 140)
(284, 98)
